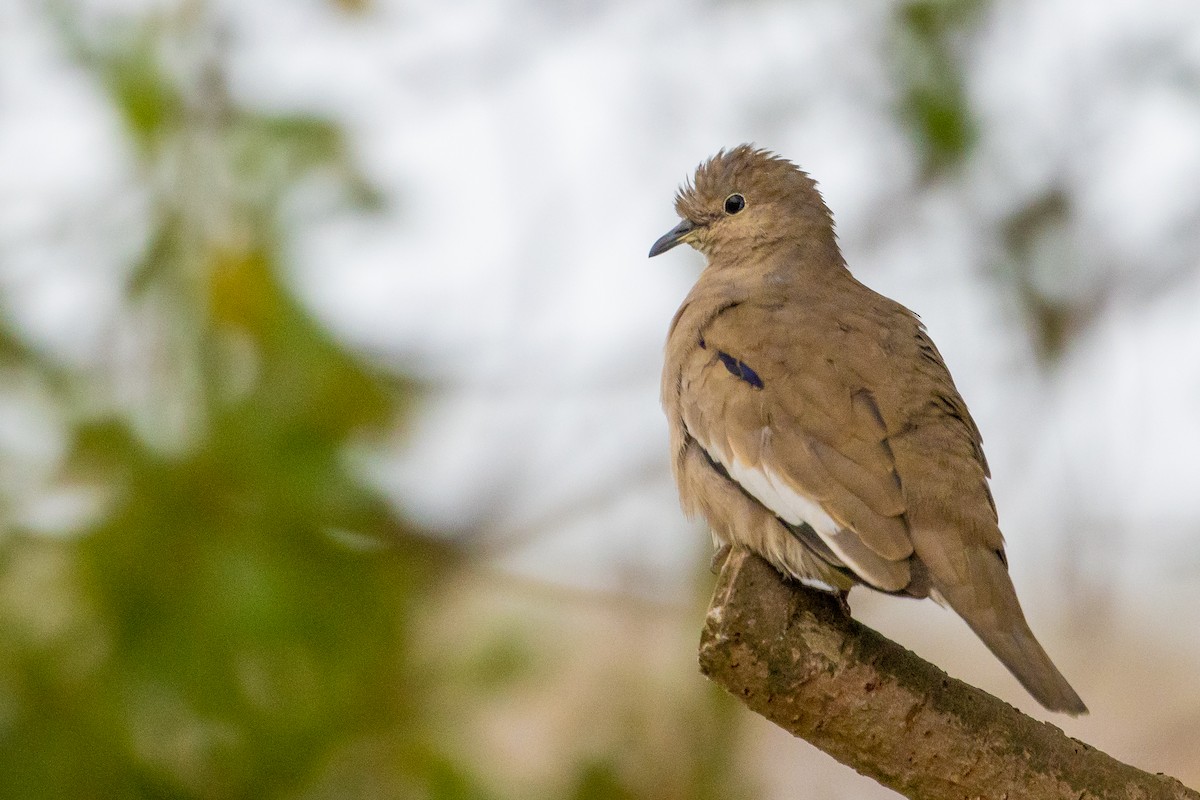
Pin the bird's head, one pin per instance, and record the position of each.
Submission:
(746, 198)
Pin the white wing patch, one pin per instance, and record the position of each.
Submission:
(819, 585)
(773, 492)
(795, 508)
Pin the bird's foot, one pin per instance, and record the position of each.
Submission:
(719, 557)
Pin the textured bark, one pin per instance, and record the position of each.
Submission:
(793, 656)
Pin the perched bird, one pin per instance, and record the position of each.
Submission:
(814, 422)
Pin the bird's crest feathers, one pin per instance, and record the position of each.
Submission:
(759, 175)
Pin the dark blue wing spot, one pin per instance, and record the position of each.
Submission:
(740, 370)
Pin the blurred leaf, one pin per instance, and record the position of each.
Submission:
(225, 639)
(598, 780)
(1043, 269)
(933, 98)
(147, 101)
(447, 780)
(501, 661)
(12, 349)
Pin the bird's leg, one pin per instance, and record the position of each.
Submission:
(843, 598)
(719, 557)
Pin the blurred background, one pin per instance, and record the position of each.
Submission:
(331, 460)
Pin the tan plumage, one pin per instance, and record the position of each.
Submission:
(814, 421)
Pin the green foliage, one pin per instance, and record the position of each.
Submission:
(146, 100)
(240, 612)
(933, 98)
(240, 615)
(599, 780)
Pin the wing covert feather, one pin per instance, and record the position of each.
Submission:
(809, 429)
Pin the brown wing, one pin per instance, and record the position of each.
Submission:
(770, 401)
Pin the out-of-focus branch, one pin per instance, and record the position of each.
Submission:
(794, 657)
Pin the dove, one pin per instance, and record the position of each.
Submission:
(813, 420)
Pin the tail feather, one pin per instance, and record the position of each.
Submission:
(987, 602)
(1018, 650)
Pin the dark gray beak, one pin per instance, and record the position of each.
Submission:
(671, 238)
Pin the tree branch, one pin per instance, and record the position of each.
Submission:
(794, 657)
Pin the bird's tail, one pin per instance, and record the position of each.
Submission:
(1018, 650)
(988, 604)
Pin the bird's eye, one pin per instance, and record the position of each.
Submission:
(734, 203)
